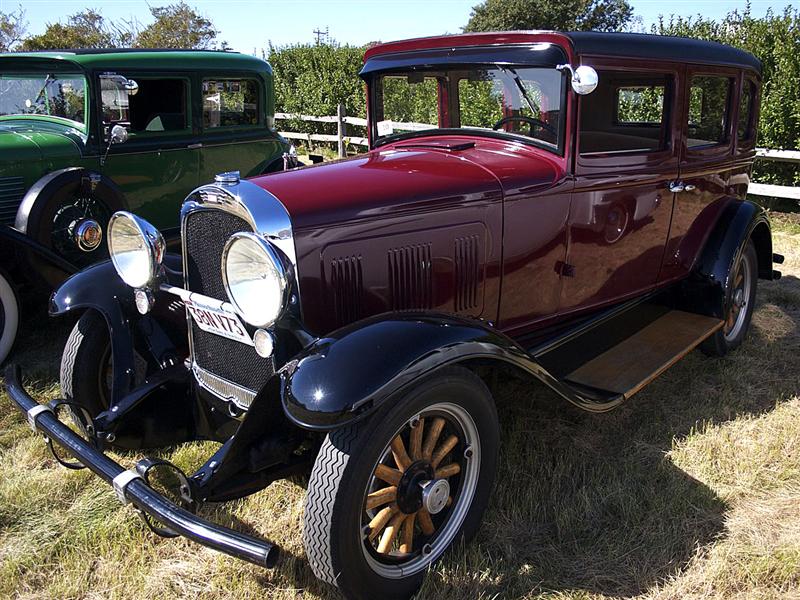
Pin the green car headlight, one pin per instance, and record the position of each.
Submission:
(136, 248)
(255, 279)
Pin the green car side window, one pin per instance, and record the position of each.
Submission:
(159, 106)
(230, 103)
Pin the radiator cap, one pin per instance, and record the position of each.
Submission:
(227, 178)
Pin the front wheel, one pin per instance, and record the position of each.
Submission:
(741, 299)
(9, 317)
(388, 496)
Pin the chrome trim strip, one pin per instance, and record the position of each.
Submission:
(222, 388)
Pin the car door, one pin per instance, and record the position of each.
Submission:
(158, 165)
(236, 130)
(706, 165)
(626, 160)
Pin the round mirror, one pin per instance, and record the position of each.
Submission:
(119, 135)
(131, 87)
(584, 80)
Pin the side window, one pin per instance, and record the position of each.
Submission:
(159, 106)
(628, 112)
(745, 129)
(709, 107)
(230, 103)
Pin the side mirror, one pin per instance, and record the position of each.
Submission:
(584, 79)
(131, 87)
(118, 135)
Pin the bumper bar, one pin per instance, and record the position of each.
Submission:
(133, 489)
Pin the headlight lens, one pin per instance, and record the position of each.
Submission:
(136, 248)
(255, 279)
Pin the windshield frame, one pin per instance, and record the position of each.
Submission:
(45, 75)
(373, 90)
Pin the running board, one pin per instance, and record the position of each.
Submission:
(635, 361)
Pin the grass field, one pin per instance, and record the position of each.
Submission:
(691, 490)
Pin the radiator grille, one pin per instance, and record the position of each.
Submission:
(467, 273)
(347, 289)
(411, 277)
(206, 232)
(12, 190)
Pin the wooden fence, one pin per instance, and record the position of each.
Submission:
(342, 140)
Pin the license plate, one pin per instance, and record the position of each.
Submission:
(219, 322)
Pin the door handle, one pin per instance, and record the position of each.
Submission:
(196, 146)
(678, 186)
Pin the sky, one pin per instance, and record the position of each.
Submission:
(248, 26)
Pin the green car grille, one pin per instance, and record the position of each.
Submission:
(12, 190)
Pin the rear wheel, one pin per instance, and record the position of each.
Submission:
(9, 317)
(388, 496)
(741, 297)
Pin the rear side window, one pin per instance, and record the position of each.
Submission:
(628, 112)
(709, 108)
(744, 128)
(230, 103)
(159, 106)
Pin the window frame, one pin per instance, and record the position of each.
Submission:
(260, 106)
(750, 128)
(719, 148)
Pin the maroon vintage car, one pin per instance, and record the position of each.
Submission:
(567, 206)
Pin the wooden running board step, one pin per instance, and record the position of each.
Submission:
(636, 361)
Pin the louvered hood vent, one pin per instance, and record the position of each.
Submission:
(411, 277)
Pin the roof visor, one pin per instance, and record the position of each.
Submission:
(537, 55)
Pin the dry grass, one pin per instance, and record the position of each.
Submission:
(691, 490)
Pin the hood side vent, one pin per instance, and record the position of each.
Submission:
(347, 286)
(411, 277)
(467, 273)
(12, 190)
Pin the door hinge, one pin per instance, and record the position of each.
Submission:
(564, 269)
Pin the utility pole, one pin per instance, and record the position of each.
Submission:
(322, 36)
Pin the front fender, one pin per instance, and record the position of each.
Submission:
(342, 378)
(100, 288)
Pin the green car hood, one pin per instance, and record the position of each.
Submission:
(30, 146)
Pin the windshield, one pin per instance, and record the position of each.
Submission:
(61, 95)
(519, 101)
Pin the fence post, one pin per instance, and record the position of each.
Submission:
(340, 129)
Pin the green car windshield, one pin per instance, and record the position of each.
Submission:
(60, 95)
(524, 102)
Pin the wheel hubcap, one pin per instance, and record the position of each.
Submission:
(87, 234)
(435, 494)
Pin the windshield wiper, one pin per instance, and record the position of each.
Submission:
(532, 105)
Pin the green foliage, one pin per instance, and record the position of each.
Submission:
(12, 29)
(312, 79)
(174, 26)
(405, 101)
(177, 26)
(564, 15)
(641, 104)
(775, 40)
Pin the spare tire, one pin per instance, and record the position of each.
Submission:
(68, 211)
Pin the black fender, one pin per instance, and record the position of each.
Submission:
(342, 378)
(99, 288)
(707, 289)
(20, 254)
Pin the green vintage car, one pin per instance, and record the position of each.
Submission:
(85, 133)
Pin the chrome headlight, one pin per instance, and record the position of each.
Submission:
(136, 248)
(255, 279)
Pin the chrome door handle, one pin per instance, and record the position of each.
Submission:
(195, 146)
(676, 186)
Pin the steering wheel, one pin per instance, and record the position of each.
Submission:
(530, 120)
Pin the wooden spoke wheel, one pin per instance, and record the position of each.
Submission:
(424, 476)
(740, 296)
(388, 495)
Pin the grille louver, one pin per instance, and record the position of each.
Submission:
(347, 285)
(467, 273)
(12, 190)
(411, 277)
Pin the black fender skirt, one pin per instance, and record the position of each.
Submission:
(341, 378)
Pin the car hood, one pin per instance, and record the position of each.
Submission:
(21, 141)
(409, 176)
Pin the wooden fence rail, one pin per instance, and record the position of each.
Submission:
(343, 140)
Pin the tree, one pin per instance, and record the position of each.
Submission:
(563, 15)
(12, 29)
(178, 26)
(87, 29)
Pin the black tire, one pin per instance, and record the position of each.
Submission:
(737, 315)
(64, 200)
(333, 525)
(9, 316)
(85, 363)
